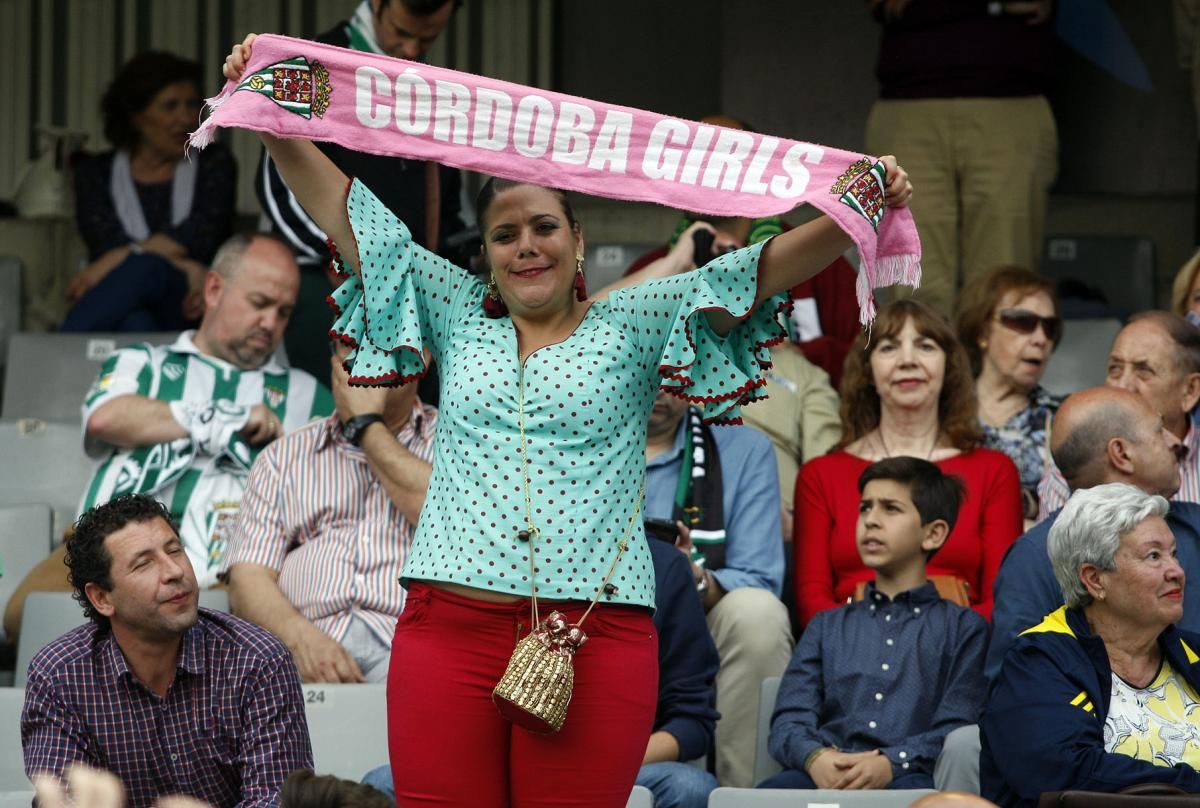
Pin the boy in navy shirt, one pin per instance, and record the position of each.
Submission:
(875, 686)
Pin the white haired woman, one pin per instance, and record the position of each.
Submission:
(1104, 693)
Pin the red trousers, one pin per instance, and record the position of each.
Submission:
(450, 746)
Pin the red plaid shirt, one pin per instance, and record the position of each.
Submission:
(229, 730)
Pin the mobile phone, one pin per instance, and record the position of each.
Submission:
(663, 529)
(702, 241)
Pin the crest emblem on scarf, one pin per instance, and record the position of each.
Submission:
(862, 188)
(295, 84)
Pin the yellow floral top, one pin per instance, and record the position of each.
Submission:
(1159, 723)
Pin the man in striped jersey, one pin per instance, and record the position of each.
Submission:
(184, 422)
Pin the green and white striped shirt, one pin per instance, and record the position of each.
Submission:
(202, 491)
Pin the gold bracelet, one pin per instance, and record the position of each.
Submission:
(813, 755)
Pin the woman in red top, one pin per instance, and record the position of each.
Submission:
(906, 390)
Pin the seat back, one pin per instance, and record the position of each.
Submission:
(641, 797)
(1121, 268)
(1081, 358)
(48, 375)
(764, 764)
(605, 263)
(43, 462)
(16, 799)
(10, 302)
(46, 617)
(25, 540)
(215, 599)
(345, 723)
(12, 763)
(816, 798)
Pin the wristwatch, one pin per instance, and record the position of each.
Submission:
(354, 428)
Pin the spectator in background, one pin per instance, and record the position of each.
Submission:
(1009, 324)
(1157, 356)
(151, 219)
(170, 698)
(824, 316)
(325, 526)
(962, 97)
(423, 195)
(799, 415)
(184, 421)
(907, 391)
(687, 669)
(1185, 291)
(875, 686)
(1102, 435)
(719, 484)
(1102, 694)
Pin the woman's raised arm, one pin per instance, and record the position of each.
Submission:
(797, 255)
(319, 185)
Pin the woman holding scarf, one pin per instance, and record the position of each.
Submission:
(537, 489)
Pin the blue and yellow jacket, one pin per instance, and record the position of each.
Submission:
(1043, 727)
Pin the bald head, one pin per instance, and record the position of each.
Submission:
(1106, 434)
(953, 799)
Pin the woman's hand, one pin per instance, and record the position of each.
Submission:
(235, 62)
(83, 282)
(897, 188)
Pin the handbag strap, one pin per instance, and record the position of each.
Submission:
(532, 534)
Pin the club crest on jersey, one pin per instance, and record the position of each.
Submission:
(274, 396)
(173, 372)
(862, 187)
(294, 84)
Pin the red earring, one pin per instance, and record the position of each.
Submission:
(580, 283)
(493, 304)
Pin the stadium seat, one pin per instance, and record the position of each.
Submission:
(605, 263)
(10, 302)
(349, 737)
(16, 799)
(1081, 358)
(1120, 268)
(764, 764)
(12, 764)
(817, 798)
(47, 375)
(46, 617)
(24, 541)
(43, 462)
(640, 798)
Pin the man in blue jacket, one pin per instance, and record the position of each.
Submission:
(1101, 435)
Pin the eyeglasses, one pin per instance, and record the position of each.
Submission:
(1024, 321)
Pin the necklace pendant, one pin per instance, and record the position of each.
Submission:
(527, 534)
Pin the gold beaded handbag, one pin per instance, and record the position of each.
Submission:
(535, 690)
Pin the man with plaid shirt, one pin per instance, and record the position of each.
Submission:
(170, 698)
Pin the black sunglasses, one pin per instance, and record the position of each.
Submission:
(1024, 321)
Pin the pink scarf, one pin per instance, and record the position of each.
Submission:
(376, 104)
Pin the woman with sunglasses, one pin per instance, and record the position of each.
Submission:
(1009, 324)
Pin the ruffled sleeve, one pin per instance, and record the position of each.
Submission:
(718, 374)
(408, 298)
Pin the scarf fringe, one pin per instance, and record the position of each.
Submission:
(207, 131)
(890, 270)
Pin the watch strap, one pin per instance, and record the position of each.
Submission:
(354, 428)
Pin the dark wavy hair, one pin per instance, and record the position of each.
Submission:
(136, 84)
(304, 789)
(957, 408)
(87, 559)
(980, 298)
(498, 185)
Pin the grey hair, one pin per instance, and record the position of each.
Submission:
(1089, 530)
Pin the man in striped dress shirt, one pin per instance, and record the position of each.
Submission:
(1156, 356)
(183, 422)
(327, 520)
